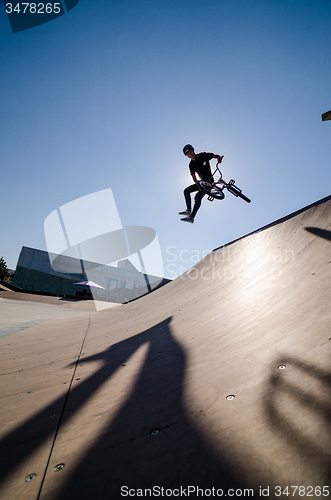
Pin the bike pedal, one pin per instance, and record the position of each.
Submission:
(232, 181)
(210, 198)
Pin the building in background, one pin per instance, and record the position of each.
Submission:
(122, 283)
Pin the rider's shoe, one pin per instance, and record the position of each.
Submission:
(188, 219)
(186, 212)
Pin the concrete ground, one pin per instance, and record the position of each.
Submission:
(23, 310)
(16, 315)
(217, 384)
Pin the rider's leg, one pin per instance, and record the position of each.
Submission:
(187, 195)
(197, 203)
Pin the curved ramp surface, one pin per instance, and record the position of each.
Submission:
(217, 384)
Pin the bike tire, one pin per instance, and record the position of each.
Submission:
(243, 197)
(217, 194)
(210, 190)
(204, 187)
(237, 192)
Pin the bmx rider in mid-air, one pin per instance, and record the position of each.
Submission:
(200, 165)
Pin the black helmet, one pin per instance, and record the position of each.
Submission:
(187, 148)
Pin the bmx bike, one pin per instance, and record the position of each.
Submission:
(215, 190)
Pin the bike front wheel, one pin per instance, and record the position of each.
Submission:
(211, 190)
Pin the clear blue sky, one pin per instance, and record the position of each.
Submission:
(107, 95)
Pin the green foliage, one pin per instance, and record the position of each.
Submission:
(3, 270)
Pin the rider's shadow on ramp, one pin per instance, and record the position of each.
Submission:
(151, 441)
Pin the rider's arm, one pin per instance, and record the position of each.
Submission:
(194, 177)
(218, 158)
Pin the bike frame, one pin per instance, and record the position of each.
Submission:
(220, 183)
(219, 186)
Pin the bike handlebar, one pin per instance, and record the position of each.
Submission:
(217, 169)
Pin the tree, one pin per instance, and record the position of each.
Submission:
(3, 269)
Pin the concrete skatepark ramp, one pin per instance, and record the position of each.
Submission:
(217, 384)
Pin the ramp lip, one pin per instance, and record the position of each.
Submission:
(278, 221)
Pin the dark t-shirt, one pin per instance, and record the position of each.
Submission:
(201, 165)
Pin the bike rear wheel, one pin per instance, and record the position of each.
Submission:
(237, 192)
(243, 197)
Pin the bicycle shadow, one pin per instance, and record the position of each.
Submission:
(127, 453)
(298, 408)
